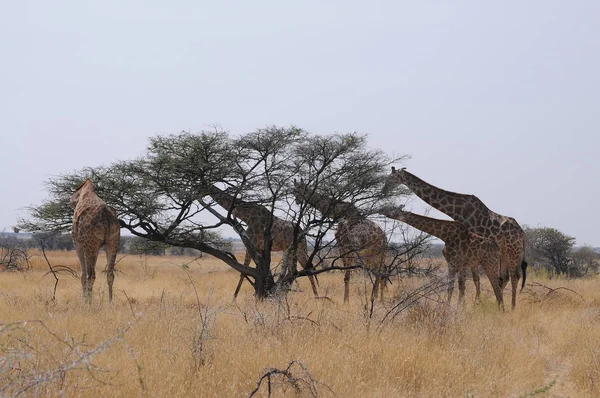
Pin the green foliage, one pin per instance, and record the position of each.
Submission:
(139, 245)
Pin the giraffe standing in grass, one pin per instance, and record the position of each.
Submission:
(478, 218)
(257, 218)
(463, 249)
(360, 241)
(95, 225)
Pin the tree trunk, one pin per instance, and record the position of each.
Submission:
(264, 286)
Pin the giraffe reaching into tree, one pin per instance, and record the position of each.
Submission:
(95, 224)
(472, 212)
(360, 241)
(257, 218)
(463, 249)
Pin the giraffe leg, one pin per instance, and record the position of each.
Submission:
(90, 274)
(461, 284)
(111, 256)
(514, 281)
(492, 272)
(347, 287)
(477, 282)
(239, 285)
(498, 294)
(504, 268)
(451, 279)
(313, 285)
(375, 292)
(346, 261)
(83, 268)
(303, 260)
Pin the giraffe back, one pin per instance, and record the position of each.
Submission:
(94, 222)
(364, 238)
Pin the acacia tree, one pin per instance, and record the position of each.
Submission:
(162, 195)
(586, 260)
(551, 248)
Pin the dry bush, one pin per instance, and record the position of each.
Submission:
(13, 256)
(294, 376)
(537, 292)
(37, 361)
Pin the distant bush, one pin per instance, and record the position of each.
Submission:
(554, 251)
(13, 254)
(586, 261)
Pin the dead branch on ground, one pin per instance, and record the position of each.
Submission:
(303, 382)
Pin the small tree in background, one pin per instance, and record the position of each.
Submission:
(586, 260)
(552, 249)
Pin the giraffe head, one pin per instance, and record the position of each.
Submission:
(201, 191)
(393, 180)
(391, 211)
(86, 186)
(300, 191)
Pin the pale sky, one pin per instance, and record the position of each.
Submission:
(497, 99)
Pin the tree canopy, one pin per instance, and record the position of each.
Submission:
(162, 195)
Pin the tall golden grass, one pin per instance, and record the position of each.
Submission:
(173, 330)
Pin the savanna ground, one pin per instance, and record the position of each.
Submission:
(173, 330)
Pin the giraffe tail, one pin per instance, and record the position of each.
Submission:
(524, 269)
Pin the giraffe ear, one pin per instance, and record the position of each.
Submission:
(404, 168)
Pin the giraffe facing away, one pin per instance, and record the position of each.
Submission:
(475, 215)
(257, 218)
(360, 241)
(463, 249)
(95, 225)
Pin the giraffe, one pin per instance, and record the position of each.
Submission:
(95, 224)
(257, 218)
(463, 249)
(475, 215)
(360, 241)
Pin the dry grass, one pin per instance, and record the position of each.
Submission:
(160, 339)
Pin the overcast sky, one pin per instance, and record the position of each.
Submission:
(497, 99)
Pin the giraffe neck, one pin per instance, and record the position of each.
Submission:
(89, 196)
(442, 229)
(458, 206)
(243, 210)
(331, 208)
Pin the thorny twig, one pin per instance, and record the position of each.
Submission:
(552, 290)
(51, 270)
(424, 291)
(305, 380)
